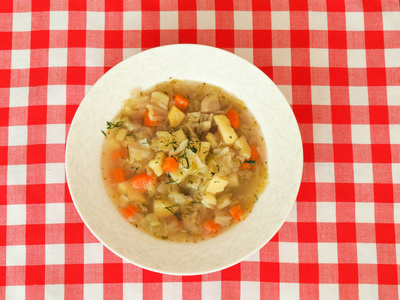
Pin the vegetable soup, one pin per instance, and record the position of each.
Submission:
(184, 161)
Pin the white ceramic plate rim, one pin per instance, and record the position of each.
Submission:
(204, 64)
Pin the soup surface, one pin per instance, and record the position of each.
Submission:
(184, 161)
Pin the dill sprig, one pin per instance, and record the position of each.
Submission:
(104, 133)
(112, 125)
(177, 215)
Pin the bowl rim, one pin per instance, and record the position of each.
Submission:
(163, 50)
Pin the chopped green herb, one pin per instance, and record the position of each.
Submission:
(104, 133)
(177, 215)
(112, 125)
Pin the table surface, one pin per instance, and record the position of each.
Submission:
(337, 63)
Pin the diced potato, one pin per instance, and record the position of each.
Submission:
(233, 179)
(243, 147)
(179, 136)
(112, 144)
(203, 149)
(160, 208)
(179, 175)
(212, 139)
(228, 134)
(160, 99)
(120, 136)
(209, 200)
(124, 188)
(156, 163)
(216, 185)
(175, 116)
(224, 200)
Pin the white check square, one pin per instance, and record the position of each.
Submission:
(58, 57)
(95, 20)
(56, 95)
(393, 95)
(360, 134)
(288, 252)
(282, 57)
(365, 212)
(55, 134)
(356, 58)
(55, 213)
(368, 291)
(249, 290)
(132, 20)
(58, 20)
(210, 290)
(16, 214)
(172, 290)
(355, 21)
(319, 57)
(287, 92)
(16, 255)
(317, 20)
(327, 253)
(169, 20)
(134, 290)
(21, 21)
(326, 212)
(289, 290)
(392, 58)
(391, 20)
(280, 20)
(54, 291)
(128, 52)
(15, 292)
(18, 135)
(93, 291)
(396, 173)
(19, 96)
(322, 133)
(20, 59)
(55, 173)
(95, 57)
(320, 95)
(206, 20)
(358, 95)
(245, 53)
(363, 173)
(243, 20)
(324, 172)
(366, 253)
(328, 291)
(93, 253)
(55, 254)
(16, 175)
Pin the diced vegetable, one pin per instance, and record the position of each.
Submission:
(170, 164)
(224, 200)
(216, 185)
(210, 226)
(212, 139)
(228, 134)
(175, 116)
(209, 200)
(180, 101)
(156, 164)
(164, 208)
(160, 99)
(237, 212)
(251, 163)
(233, 117)
(179, 175)
(124, 188)
(117, 175)
(179, 136)
(120, 136)
(203, 149)
(242, 147)
(233, 179)
(254, 153)
(147, 121)
(141, 182)
(130, 210)
(119, 154)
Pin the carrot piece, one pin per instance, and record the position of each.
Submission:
(147, 121)
(251, 163)
(254, 153)
(130, 210)
(211, 226)
(233, 117)
(170, 164)
(180, 101)
(117, 175)
(236, 212)
(121, 153)
(142, 182)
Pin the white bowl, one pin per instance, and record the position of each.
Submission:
(199, 63)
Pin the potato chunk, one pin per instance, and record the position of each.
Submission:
(228, 134)
(179, 136)
(243, 147)
(209, 200)
(156, 163)
(179, 175)
(175, 116)
(160, 209)
(216, 185)
(202, 149)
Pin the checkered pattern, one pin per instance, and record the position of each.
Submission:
(338, 64)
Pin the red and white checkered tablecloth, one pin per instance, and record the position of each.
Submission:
(336, 61)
